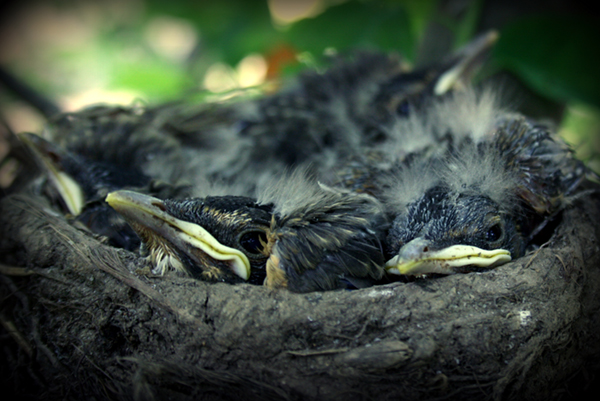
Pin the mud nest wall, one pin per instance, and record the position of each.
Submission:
(78, 322)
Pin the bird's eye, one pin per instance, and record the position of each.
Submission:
(494, 233)
(253, 241)
(403, 108)
(243, 126)
(54, 157)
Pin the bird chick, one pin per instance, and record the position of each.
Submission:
(409, 91)
(324, 116)
(322, 238)
(102, 150)
(298, 235)
(77, 186)
(474, 204)
(219, 238)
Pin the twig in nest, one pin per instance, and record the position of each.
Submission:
(319, 352)
(11, 329)
(537, 251)
(561, 261)
(15, 271)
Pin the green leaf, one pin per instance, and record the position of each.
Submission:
(580, 127)
(229, 29)
(355, 24)
(557, 56)
(420, 12)
(156, 80)
(467, 27)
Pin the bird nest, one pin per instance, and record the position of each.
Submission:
(80, 322)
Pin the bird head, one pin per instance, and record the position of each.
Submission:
(212, 238)
(455, 212)
(474, 204)
(449, 232)
(78, 186)
(408, 91)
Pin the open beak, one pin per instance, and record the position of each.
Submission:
(48, 158)
(415, 258)
(162, 233)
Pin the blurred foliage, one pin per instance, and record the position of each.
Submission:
(355, 24)
(229, 29)
(554, 55)
(557, 56)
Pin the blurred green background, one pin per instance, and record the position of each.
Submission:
(85, 52)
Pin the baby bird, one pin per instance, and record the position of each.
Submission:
(475, 200)
(298, 235)
(324, 116)
(104, 149)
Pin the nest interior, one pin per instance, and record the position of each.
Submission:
(78, 321)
